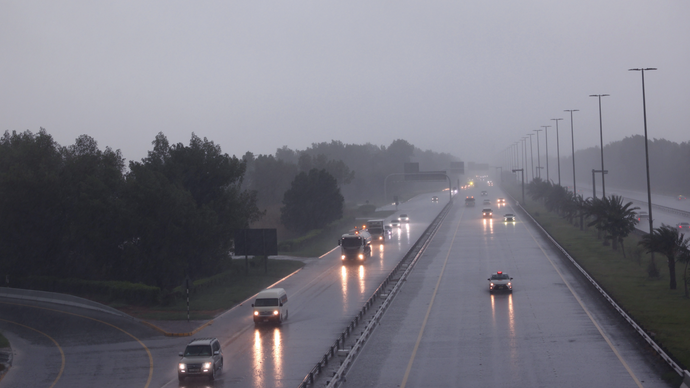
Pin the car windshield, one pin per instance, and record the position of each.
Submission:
(509, 215)
(198, 350)
(352, 242)
(266, 302)
(500, 276)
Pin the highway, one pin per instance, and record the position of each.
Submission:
(107, 351)
(445, 329)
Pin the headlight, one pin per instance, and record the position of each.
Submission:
(361, 257)
(182, 366)
(342, 257)
(256, 313)
(491, 285)
(207, 365)
(510, 284)
(276, 312)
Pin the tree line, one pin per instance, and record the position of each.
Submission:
(81, 212)
(77, 212)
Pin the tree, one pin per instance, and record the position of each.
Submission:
(670, 243)
(619, 221)
(313, 201)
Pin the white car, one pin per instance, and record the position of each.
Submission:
(683, 225)
(404, 218)
(500, 281)
(509, 217)
(395, 224)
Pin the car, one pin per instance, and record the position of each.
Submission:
(404, 218)
(486, 202)
(434, 199)
(500, 281)
(683, 225)
(388, 229)
(509, 217)
(202, 357)
(681, 198)
(485, 193)
(487, 213)
(501, 200)
(395, 223)
(642, 215)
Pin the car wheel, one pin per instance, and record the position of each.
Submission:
(213, 374)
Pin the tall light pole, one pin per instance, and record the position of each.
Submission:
(572, 142)
(524, 153)
(538, 160)
(646, 153)
(546, 133)
(531, 154)
(601, 138)
(558, 152)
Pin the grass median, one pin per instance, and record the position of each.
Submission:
(662, 312)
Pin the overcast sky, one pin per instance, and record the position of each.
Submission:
(464, 77)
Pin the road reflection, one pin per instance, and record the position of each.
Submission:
(502, 312)
(488, 225)
(267, 356)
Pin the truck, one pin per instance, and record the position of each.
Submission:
(355, 246)
(469, 201)
(375, 229)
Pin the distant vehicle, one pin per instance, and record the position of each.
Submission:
(500, 280)
(270, 306)
(201, 357)
(501, 200)
(681, 198)
(487, 213)
(486, 202)
(642, 215)
(395, 223)
(509, 217)
(469, 201)
(485, 193)
(388, 229)
(375, 228)
(355, 246)
(683, 225)
(404, 218)
(434, 199)
(455, 190)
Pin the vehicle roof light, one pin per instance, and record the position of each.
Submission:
(499, 272)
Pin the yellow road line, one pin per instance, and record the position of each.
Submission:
(601, 331)
(62, 354)
(148, 381)
(428, 311)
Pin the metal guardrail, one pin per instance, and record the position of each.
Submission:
(417, 249)
(606, 296)
(662, 207)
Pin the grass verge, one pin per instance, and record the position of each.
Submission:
(4, 343)
(662, 312)
(210, 302)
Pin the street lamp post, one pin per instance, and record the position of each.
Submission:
(538, 160)
(572, 142)
(601, 139)
(558, 152)
(546, 134)
(646, 153)
(522, 173)
(531, 154)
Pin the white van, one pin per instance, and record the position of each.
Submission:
(270, 306)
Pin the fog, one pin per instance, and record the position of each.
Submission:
(466, 78)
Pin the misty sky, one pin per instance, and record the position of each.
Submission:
(464, 77)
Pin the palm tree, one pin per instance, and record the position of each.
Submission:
(595, 208)
(684, 257)
(669, 242)
(620, 220)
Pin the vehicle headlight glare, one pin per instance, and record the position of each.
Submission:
(256, 313)
(276, 312)
(207, 365)
(183, 366)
